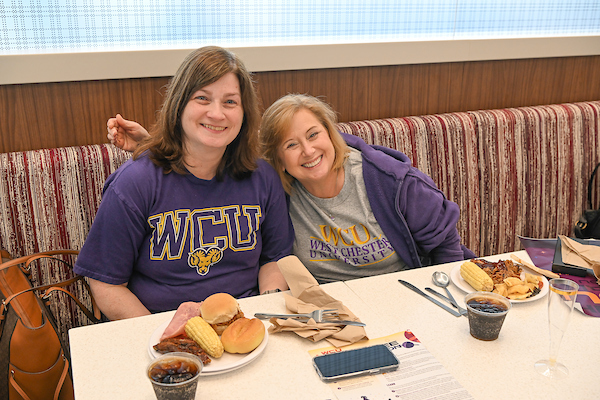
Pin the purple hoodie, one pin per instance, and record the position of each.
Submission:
(414, 214)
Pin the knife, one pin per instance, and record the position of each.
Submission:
(428, 297)
(461, 310)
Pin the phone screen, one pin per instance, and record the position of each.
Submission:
(366, 360)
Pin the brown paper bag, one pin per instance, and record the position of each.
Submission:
(581, 255)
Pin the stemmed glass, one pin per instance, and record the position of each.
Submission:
(561, 299)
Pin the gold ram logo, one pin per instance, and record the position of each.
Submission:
(203, 258)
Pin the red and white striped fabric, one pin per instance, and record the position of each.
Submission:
(48, 200)
(518, 171)
(49, 197)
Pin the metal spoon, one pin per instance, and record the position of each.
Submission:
(441, 279)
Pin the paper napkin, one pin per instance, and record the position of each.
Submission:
(308, 296)
(581, 255)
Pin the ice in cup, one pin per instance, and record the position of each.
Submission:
(486, 312)
(174, 376)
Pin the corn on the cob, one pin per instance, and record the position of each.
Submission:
(206, 337)
(476, 277)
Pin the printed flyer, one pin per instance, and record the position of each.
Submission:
(419, 375)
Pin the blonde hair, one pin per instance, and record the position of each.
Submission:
(200, 68)
(275, 124)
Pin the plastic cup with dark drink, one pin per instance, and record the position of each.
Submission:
(486, 312)
(174, 376)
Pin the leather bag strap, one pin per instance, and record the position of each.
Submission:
(61, 381)
(62, 378)
(7, 300)
(14, 384)
(94, 314)
(24, 259)
(590, 186)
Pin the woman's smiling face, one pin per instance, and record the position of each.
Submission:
(213, 117)
(307, 152)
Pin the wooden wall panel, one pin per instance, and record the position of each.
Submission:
(60, 114)
(394, 91)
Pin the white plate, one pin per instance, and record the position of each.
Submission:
(227, 362)
(464, 286)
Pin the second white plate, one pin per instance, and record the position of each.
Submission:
(465, 287)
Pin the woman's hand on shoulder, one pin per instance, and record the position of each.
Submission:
(125, 134)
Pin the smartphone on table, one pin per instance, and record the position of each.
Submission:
(350, 363)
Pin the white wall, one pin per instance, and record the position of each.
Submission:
(16, 69)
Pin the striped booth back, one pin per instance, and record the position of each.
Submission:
(519, 171)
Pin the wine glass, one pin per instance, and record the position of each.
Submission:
(561, 299)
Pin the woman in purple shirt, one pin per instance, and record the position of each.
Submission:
(194, 212)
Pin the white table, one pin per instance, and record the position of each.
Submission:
(109, 360)
(501, 369)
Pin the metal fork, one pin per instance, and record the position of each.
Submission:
(317, 315)
(327, 319)
(320, 316)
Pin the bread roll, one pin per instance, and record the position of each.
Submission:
(243, 335)
(220, 310)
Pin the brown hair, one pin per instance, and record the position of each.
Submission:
(199, 69)
(277, 120)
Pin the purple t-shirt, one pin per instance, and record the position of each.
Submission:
(177, 238)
